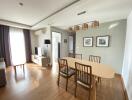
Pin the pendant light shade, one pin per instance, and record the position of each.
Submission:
(84, 26)
(95, 24)
(70, 29)
(76, 28)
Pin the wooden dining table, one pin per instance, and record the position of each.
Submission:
(98, 69)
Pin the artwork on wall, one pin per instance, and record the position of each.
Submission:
(88, 41)
(102, 41)
(65, 40)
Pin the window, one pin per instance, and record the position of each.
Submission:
(17, 46)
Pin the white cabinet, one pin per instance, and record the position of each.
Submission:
(41, 60)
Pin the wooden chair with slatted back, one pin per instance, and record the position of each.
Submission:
(71, 55)
(64, 71)
(74, 55)
(96, 59)
(93, 58)
(83, 76)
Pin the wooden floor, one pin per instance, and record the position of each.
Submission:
(39, 83)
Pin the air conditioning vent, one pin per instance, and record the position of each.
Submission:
(81, 13)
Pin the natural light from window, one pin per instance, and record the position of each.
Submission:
(17, 46)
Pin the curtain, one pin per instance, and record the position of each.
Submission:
(17, 43)
(27, 44)
(5, 44)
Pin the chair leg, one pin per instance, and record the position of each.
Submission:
(75, 89)
(89, 94)
(66, 83)
(23, 68)
(58, 80)
(99, 79)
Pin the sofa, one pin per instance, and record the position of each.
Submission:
(2, 73)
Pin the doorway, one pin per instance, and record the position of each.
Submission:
(56, 43)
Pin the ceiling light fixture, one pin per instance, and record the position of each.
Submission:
(20, 3)
(84, 26)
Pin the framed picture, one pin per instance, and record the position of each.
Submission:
(88, 41)
(65, 40)
(102, 41)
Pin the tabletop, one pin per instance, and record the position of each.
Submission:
(98, 69)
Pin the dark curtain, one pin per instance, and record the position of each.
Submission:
(5, 44)
(27, 44)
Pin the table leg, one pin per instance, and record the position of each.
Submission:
(15, 69)
(23, 68)
(93, 91)
(15, 72)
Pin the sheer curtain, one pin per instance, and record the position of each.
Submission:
(17, 46)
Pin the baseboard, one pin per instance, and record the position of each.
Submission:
(123, 85)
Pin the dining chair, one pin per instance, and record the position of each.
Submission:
(71, 55)
(83, 76)
(96, 59)
(93, 58)
(64, 71)
(75, 55)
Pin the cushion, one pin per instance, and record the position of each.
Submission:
(70, 71)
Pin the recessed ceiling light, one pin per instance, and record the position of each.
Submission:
(20, 3)
(80, 13)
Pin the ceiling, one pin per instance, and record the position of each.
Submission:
(33, 12)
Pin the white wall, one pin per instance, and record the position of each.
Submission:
(70, 44)
(127, 63)
(34, 41)
(43, 36)
(38, 37)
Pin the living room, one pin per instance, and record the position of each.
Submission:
(36, 35)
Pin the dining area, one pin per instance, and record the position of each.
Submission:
(74, 79)
(85, 73)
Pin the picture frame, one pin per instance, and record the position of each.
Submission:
(88, 41)
(102, 41)
(65, 40)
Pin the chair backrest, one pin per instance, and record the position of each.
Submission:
(74, 55)
(93, 58)
(83, 73)
(71, 55)
(63, 63)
